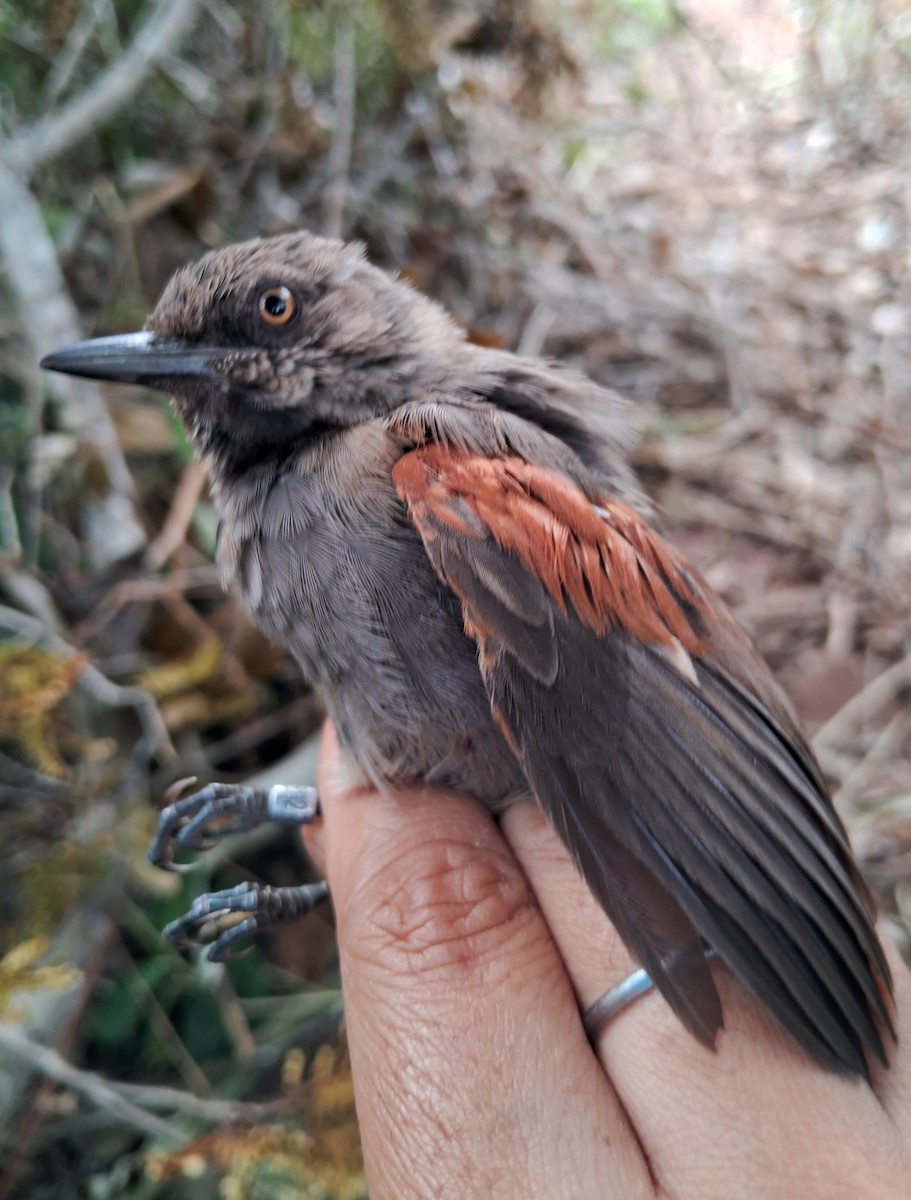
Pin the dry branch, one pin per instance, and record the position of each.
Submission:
(48, 321)
(335, 197)
(867, 703)
(173, 532)
(157, 37)
(93, 1087)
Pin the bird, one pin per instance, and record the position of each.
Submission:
(451, 542)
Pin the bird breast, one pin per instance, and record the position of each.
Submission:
(327, 563)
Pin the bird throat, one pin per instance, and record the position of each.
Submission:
(239, 437)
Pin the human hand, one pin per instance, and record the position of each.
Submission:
(468, 949)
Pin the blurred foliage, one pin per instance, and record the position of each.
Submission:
(22, 970)
(270, 1161)
(201, 155)
(32, 685)
(622, 27)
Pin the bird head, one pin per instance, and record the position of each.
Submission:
(276, 342)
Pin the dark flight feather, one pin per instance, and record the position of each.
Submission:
(689, 799)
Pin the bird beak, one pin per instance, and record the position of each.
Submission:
(136, 358)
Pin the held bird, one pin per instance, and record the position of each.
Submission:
(449, 540)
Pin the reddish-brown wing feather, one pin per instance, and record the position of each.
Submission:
(604, 570)
(659, 745)
(604, 561)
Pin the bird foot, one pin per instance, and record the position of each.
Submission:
(209, 920)
(198, 821)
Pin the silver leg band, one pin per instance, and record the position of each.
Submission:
(606, 1007)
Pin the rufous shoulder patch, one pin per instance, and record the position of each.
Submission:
(602, 560)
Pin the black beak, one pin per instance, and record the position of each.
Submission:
(136, 358)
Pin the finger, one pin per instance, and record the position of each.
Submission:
(471, 1071)
(593, 954)
(756, 1117)
(314, 839)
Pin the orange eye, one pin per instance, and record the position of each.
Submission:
(277, 306)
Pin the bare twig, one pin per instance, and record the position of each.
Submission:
(173, 532)
(215, 1111)
(168, 1037)
(131, 1102)
(875, 696)
(135, 591)
(886, 746)
(336, 194)
(113, 530)
(842, 631)
(99, 1091)
(157, 37)
(10, 542)
(31, 594)
(47, 316)
(48, 321)
(233, 1019)
(537, 327)
(15, 775)
(64, 1034)
(60, 74)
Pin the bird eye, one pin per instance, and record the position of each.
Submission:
(277, 306)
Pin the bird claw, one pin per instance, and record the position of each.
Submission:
(263, 906)
(197, 821)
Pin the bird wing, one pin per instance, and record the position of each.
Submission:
(661, 749)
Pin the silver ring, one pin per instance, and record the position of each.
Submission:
(622, 994)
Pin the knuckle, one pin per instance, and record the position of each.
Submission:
(442, 908)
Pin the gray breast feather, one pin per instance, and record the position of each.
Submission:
(329, 566)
